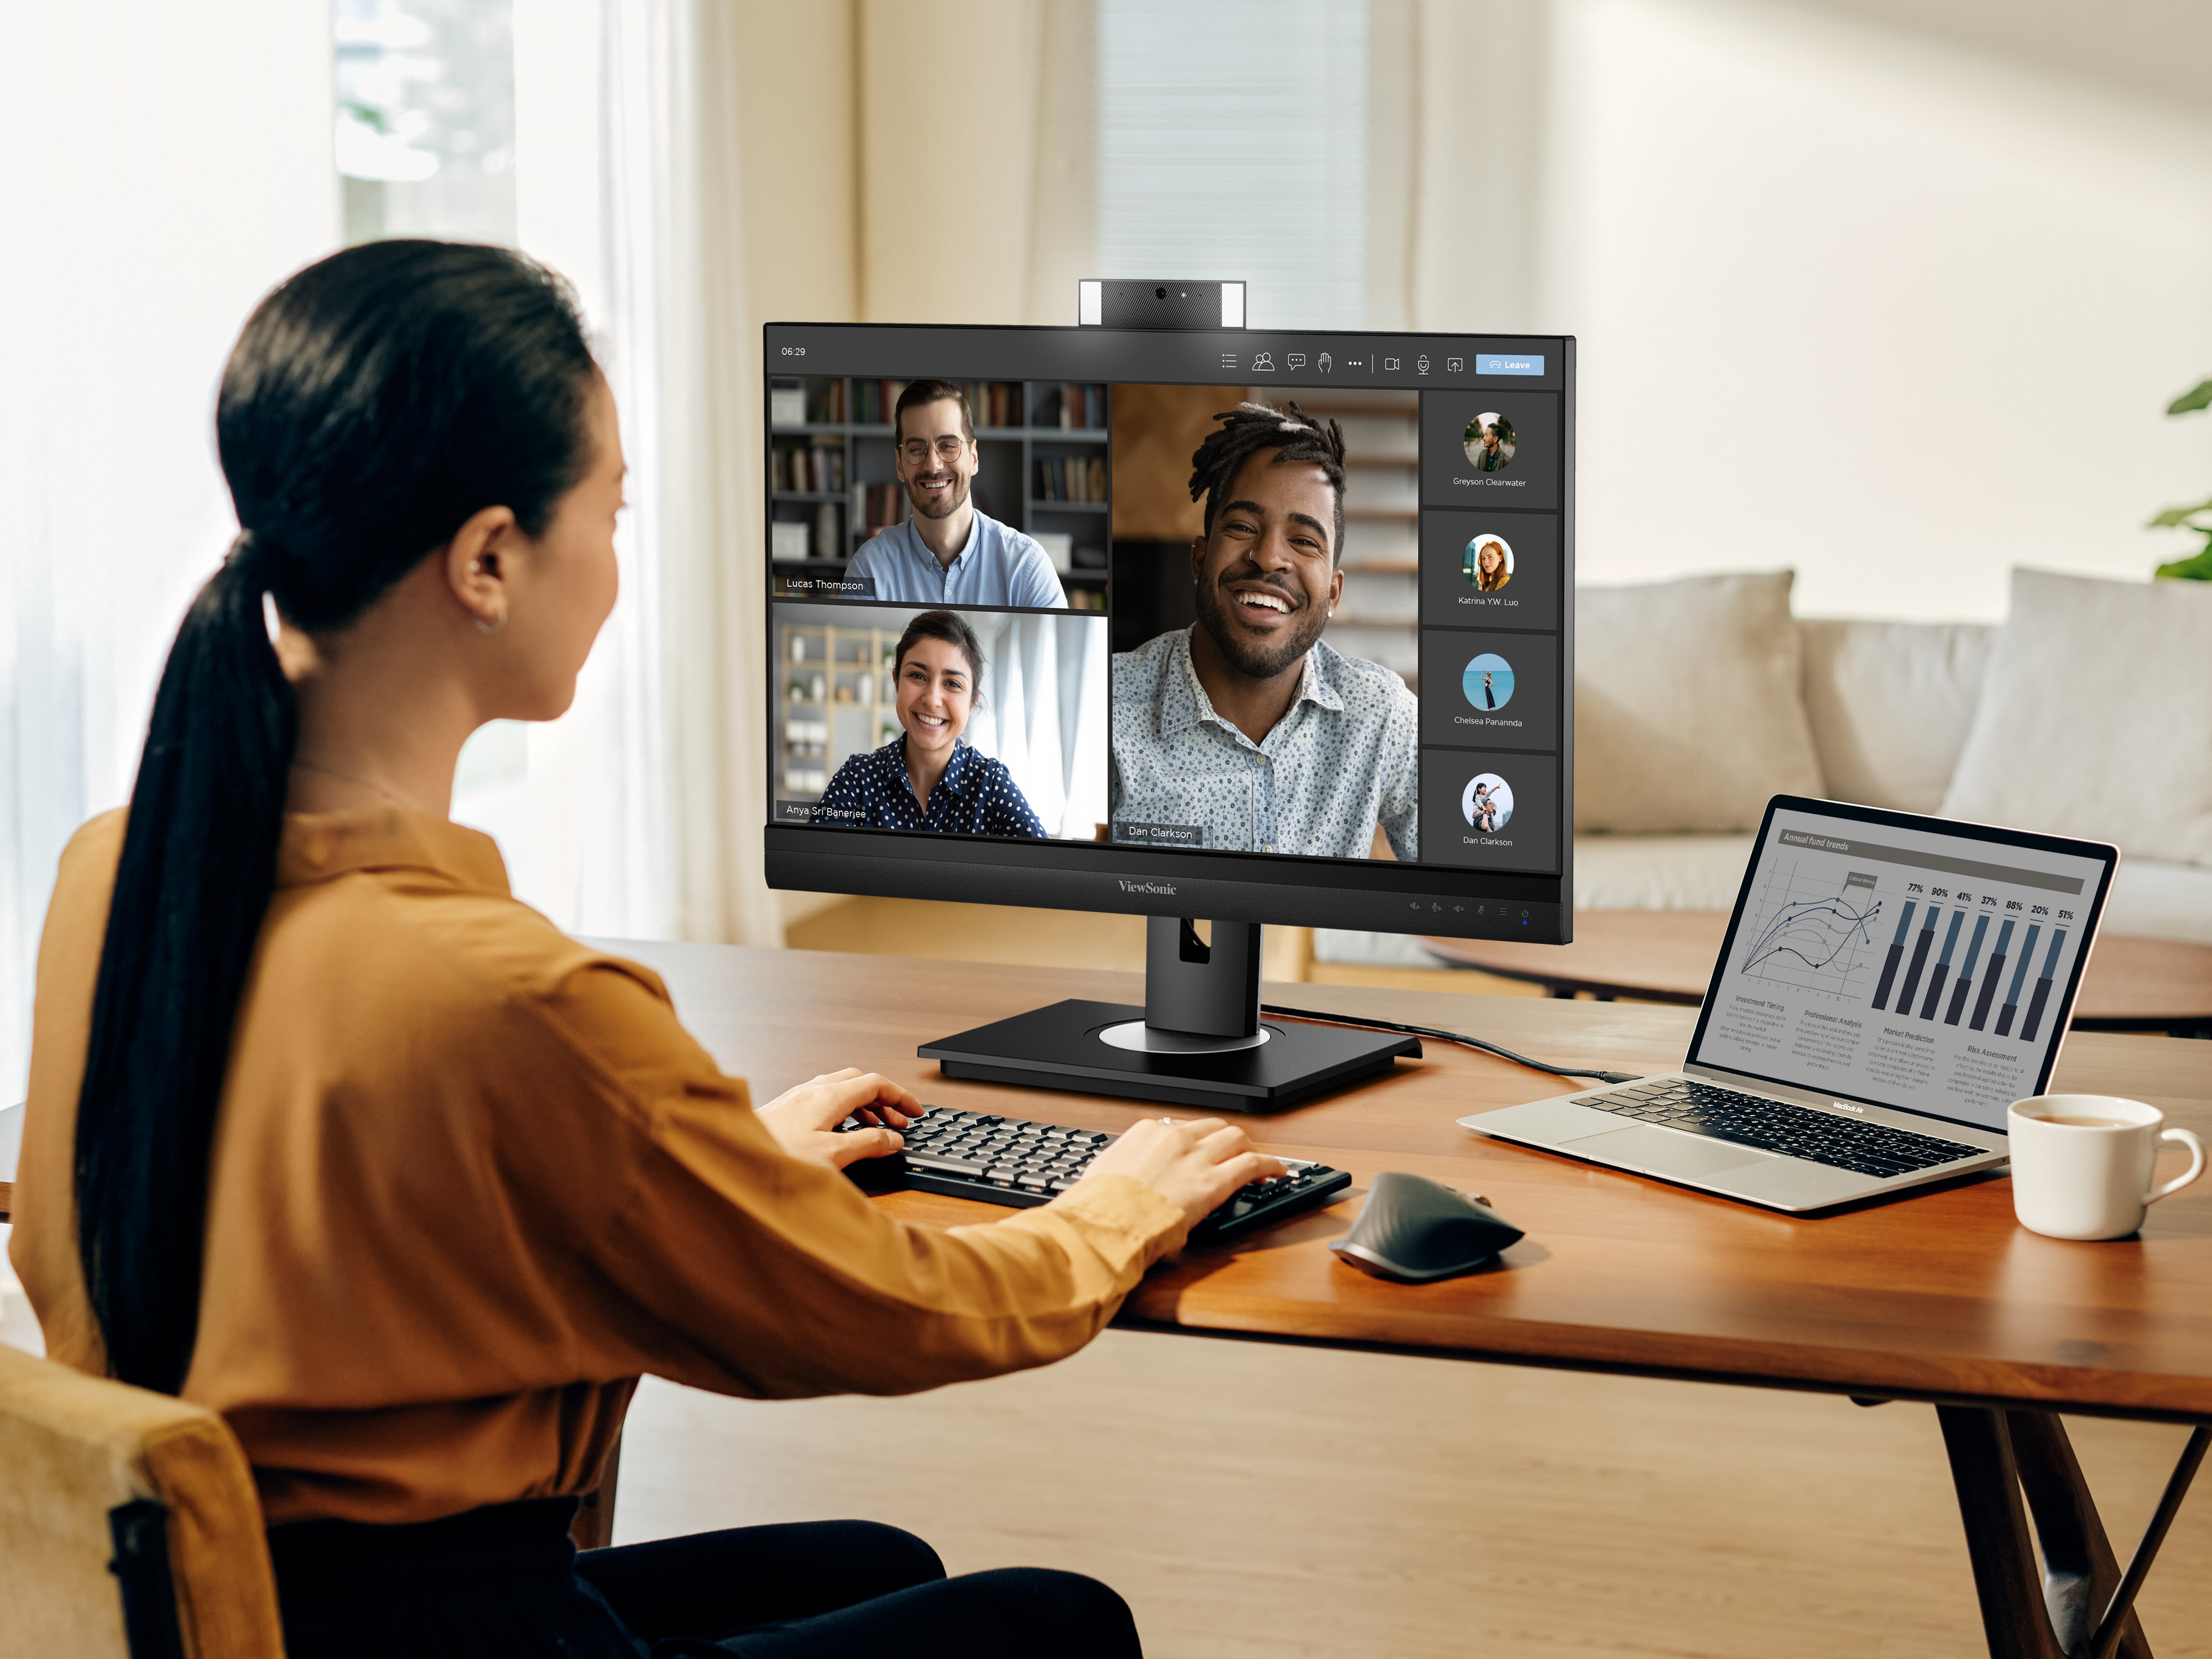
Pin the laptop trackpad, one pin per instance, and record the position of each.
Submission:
(1640, 1146)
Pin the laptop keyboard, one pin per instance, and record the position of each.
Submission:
(1776, 1126)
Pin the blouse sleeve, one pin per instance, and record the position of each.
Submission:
(730, 1265)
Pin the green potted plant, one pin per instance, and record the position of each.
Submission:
(2199, 566)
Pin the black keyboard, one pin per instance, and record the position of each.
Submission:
(1776, 1126)
(1014, 1161)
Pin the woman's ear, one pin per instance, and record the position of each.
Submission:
(479, 563)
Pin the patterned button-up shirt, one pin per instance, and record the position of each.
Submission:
(1341, 759)
(999, 566)
(977, 796)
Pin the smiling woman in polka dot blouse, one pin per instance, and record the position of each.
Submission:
(927, 778)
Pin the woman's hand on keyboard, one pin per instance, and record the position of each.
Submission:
(804, 1119)
(1193, 1163)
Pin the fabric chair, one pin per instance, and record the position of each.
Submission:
(129, 1527)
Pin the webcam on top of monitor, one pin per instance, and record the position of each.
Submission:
(1155, 302)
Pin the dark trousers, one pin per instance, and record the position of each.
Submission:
(505, 1583)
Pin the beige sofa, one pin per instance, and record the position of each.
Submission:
(1889, 707)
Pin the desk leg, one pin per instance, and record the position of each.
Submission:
(594, 1528)
(2035, 1604)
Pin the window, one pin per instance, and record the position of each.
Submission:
(425, 139)
(1232, 142)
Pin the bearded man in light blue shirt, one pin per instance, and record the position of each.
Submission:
(947, 553)
(1246, 731)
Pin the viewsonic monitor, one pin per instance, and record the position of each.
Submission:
(1017, 655)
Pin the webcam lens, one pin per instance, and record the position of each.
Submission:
(1159, 293)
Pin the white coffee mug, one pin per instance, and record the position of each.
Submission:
(2082, 1163)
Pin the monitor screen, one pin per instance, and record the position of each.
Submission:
(1902, 961)
(1269, 627)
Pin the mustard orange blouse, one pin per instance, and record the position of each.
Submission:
(470, 1178)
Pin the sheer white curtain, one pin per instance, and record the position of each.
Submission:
(164, 172)
(644, 804)
(1044, 715)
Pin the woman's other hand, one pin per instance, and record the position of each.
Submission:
(804, 1119)
(1194, 1163)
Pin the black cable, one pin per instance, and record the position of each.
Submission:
(1447, 1037)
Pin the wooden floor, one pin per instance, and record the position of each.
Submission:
(1255, 1500)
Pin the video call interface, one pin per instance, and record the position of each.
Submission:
(1291, 595)
(1901, 966)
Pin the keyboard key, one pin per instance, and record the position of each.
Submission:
(936, 1163)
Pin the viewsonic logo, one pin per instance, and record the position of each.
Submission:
(1158, 889)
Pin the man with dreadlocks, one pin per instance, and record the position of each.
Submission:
(1246, 726)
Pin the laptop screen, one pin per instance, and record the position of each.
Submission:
(1903, 961)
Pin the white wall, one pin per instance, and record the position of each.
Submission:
(1894, 295)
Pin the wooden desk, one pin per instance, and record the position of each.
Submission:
(1667, 955)
(1939, 1297)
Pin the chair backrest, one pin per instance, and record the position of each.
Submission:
(129, 1527)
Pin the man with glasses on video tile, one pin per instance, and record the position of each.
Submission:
(1246, 727)
(947, 553)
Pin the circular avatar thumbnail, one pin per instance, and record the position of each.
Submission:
(1487, 681)
(1487, 563)
(1490, 442)
(1488, 802)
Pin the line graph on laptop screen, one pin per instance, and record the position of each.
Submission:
(1815, 929)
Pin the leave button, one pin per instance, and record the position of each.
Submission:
(1509, 362)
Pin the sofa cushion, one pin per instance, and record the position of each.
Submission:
(1689, 704)
(2152, 900)
(2096, 717)
(1890, 704)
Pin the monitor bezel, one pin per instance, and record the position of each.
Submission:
(1378, 896)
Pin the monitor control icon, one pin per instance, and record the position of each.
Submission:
(1264, 363)
(1324, 364)
(1420, 364)
(1296, 360)
(1455, 365)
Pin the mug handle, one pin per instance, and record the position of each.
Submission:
(2195, 1167)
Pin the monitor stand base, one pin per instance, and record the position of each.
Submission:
(1233, 1062)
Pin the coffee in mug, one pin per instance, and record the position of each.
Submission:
(2082, 1163)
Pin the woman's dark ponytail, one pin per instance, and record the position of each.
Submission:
(373, 403)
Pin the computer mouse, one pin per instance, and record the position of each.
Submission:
(1415, 1229)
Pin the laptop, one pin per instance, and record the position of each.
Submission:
(1889, 985)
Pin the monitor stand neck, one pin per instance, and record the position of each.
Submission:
(1201, 995)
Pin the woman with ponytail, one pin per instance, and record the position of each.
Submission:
(329, 1133)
